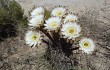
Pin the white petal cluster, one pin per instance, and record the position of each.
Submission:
(87, 45)
(37, 21)
(59, 11)
(70, 18)
(33, 38)
(53, 24)
(37, 11)
(71, 30)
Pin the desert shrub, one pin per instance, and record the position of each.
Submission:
(11, 13)
(11, 18)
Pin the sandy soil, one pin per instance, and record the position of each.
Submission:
(73, 5)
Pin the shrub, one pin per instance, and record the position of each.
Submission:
(11, 13)
(11, 18)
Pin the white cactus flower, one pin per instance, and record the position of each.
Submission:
(37, 11)
(36, 21)
(59, 11)
(71, 30)
(33, 38)
(70, 18)
(53, 24)
(87, 45)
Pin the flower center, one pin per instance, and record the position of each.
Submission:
(34, 37)
(37, 13)
(53, 24)
(59, 13)
(71, 30)
(71, 20)
(86, 44)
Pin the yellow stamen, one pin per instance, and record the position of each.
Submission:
(53, 24)
(86, 44)
(71, 30)
(34, 37)
(59, 13)
(71, 20)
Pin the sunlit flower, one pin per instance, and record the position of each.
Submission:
(59, 11)
(87, 45)
(53, 23)
(37, 21)
(71, 30)
(37, 11)
(33, 38)
(70, 18)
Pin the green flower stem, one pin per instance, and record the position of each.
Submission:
(47, 34)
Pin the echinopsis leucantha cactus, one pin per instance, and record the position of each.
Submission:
(59, 27)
